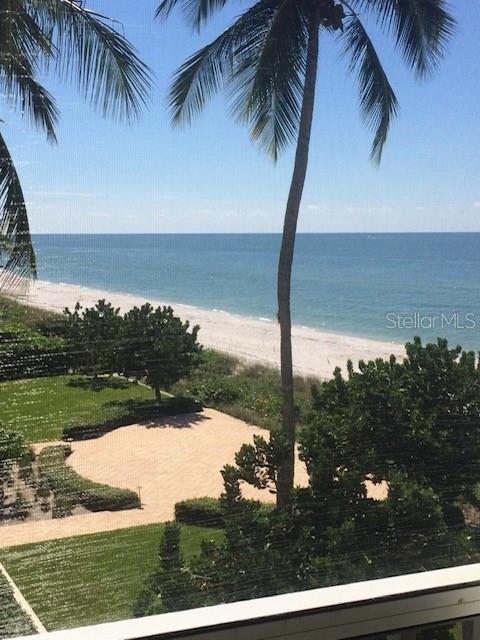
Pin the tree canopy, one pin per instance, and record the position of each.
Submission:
(414, 426)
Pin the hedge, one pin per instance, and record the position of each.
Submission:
(68, 486)
(134, 412)
(27, 354)
(203, 512)
(207, 512)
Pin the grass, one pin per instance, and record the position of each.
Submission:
(72, 489)
(12, 311)
(13, 620)
(94, 578)
(249, 392)
(40, 408)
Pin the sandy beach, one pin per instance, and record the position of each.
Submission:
(316, 353)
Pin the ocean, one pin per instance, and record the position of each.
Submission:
(384, 286)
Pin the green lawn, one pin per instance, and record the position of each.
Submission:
(91, 579)
(41, 407)
(13, 621)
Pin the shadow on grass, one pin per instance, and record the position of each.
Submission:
(174, 412)
(150, 413)
(183, 421)
(98, 384)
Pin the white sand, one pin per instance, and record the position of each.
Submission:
(316, 353)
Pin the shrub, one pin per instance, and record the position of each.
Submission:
(43, 490)
(24, 353)
(134, 411)
(68, 484)
(62, 507)
(216, 390)
(19, 510)
(248, 392)
(51, 326)
(208, 512)
(25, 463)
(203, 512)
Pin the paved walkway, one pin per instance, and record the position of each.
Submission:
(168, 461)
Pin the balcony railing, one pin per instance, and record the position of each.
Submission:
(393, 607)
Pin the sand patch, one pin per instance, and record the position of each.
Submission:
(172, 459)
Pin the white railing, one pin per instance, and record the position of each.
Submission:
(391, 606)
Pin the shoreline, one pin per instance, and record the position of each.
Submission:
(316, 353)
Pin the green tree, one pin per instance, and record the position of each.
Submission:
(66, 38)
(417, 417)
(93, 336)
(158, 346)
(267, 63)
(411, 424)
(170, 587)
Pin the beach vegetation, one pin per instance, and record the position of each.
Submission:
(99, 576)
(267, 63)
(77, 45)
(419, 416)
(25, 353)
(250, 392)
(71, 489)
(16, 312)
(403, 425)
(157, 346)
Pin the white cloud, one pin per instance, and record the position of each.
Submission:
(476, 204)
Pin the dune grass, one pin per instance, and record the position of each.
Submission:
(13, 311)
(93, 578)
(40, 408)
(250, 392)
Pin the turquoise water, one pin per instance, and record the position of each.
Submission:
(385, 286)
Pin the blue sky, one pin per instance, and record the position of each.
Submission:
(104, 177)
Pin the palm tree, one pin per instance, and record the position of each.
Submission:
(64, 37)
(266, 62)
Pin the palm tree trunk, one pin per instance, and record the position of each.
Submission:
(286, 467)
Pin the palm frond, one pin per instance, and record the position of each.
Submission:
(206, 71)
(196, 12)
(378, 102)
(21, 42)
(21, 89)
(96, 57)
(268, 75)
(422, 29)
(260, 61)
(17, 256)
